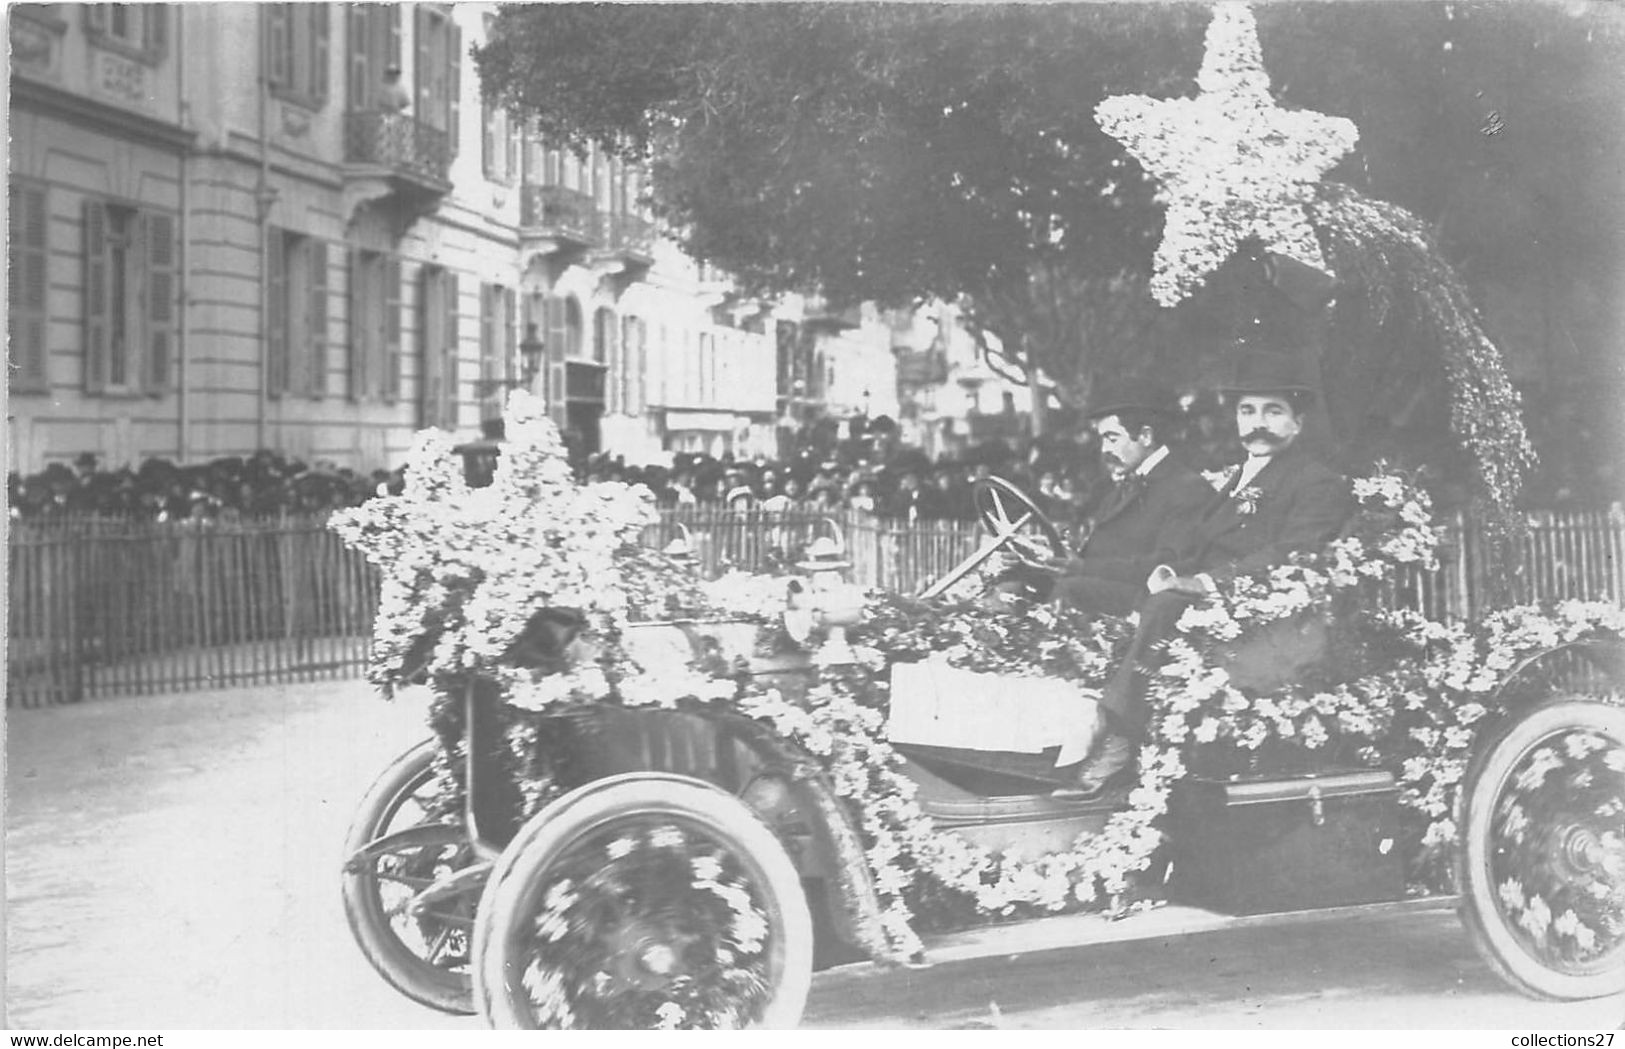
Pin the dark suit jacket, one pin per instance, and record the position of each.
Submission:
(1301, 506)
(1132, 537)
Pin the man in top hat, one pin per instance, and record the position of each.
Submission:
(1279, 501)
(1147, 515)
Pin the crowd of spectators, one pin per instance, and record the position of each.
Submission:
(1062, 472)
(871, 474)
(902, 484)
(261, 485)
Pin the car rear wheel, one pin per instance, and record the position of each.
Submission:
(1542, 860)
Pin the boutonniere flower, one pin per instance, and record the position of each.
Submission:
(1247, 499)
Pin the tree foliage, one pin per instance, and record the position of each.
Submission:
(894, 151)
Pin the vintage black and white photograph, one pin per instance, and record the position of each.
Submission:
(840, 515)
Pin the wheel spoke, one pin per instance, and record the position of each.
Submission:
(433, 955)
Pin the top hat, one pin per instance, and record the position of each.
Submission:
(1258, 371)
(1133, 395)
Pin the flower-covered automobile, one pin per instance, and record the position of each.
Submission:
(656, 801)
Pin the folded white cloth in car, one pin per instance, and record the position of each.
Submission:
(934, 704)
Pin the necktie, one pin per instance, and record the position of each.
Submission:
(1129, 487)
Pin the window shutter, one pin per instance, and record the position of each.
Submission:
(276, 318)
(510, 339)
(488, 393)
(515, 146)
(612, 357)
(157, 28)
(640, 364)
(27, 283)
(317, 374)
(454, 82)
(95, 296)
(431, 330)
(629, 365)
(321, 46)
(356, 326)
(488, 146)
(161, 295)
(359, 90)
(392, 331)
(449, 395)
(558, 336)
(276, 36)
(391, 14)
(422, 72)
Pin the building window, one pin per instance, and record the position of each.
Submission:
(296, 318)
(629, 377)
(603, 335)
(572, 329)
(129, 299)
(374, 45)
(375, 327)
(437, 345)
(497, 348)
(499, 143)
(27, 284)
(296, 52)
(438, 69)
(499, 135)
(139, 31)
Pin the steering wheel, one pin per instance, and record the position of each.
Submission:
(1005, 511)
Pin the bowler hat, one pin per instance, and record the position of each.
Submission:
(1258, 371)
(1132, 395)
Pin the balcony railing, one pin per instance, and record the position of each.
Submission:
(401, 143)
(624, 234)
(553, 211)
(818, 312)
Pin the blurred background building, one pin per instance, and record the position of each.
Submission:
(298, 227)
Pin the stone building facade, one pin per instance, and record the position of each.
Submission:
(298, 227)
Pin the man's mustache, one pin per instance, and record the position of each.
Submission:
(1262, 435)
(1112, 459)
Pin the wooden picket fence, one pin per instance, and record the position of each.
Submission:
(104, 607)
(120, 607)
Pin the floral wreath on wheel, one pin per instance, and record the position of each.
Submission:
(466, 570)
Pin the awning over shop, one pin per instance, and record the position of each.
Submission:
(721, 421)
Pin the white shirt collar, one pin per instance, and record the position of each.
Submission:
(1252, 468)
(1150, 462)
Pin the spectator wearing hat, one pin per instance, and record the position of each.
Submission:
(1147, 516)
(1279, 501)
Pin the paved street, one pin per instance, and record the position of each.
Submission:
(171, 862)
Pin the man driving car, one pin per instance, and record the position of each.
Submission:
(1146, 517)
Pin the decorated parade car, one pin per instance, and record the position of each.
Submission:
(656, 800)
(652, 800)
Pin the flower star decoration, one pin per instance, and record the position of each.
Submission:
(1230, 163)
(463, 569)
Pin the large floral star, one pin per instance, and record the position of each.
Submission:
(1230, 163)
(464, 568)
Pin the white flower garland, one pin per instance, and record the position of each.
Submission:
(465, 570)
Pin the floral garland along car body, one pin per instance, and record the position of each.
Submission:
(465, 572)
